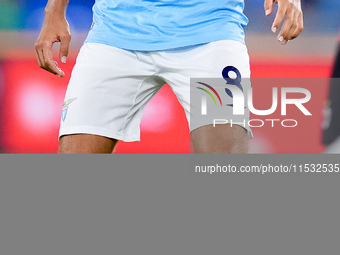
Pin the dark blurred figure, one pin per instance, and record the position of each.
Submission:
(1, 116)
(331, 125)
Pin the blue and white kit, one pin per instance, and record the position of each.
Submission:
(166, 24)
(134, 47)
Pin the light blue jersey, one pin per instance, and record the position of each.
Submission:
(166, 24)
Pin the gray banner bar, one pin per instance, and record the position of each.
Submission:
(158, 204)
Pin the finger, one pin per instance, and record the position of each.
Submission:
(39, 58)
(50, 65)
(64, 47)
(299, 28)
(40, 52)
(56, 65)
(288, 28)
(281, 12)
(48, 61)
(291, 32)
(268, 7)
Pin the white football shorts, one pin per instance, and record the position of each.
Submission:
(109, 86)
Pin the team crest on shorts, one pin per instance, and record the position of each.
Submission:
(65, 107)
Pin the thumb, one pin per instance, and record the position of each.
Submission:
(64, 46)
(268, 7)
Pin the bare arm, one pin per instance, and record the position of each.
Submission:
(55, 29)
(289, 12)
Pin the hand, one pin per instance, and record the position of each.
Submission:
(55, 29)
(290, 11)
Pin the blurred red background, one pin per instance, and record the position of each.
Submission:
(31, 99)
(31, 110)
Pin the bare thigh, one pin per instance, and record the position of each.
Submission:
(86, 143)
(220, 139)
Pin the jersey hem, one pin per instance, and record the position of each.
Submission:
(122, 44)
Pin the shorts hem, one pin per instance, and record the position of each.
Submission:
(98, 131)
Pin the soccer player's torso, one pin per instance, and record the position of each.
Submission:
(166, 24)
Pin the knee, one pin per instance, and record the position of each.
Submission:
(223, 139)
